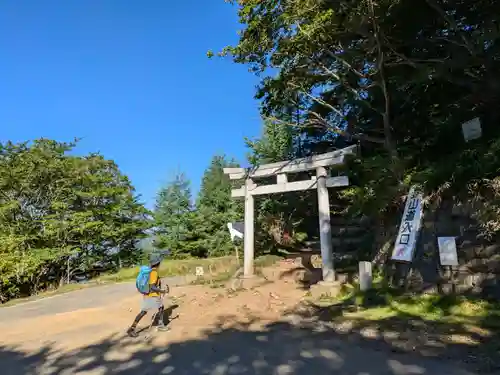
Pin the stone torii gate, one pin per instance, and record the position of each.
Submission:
(321, 182)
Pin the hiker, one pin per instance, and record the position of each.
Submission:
(148, 283)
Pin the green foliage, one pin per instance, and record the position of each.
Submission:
(173, 213)
(215, 208)
(278, 215)
(275, 144)
(198, 230)
(374, 189)
(62, 214)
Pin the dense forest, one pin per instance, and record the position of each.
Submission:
(62, 214)
(397, 78)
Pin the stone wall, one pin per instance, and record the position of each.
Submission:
(362, 239)
(479, 258)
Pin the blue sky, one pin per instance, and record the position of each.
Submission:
(129, 77)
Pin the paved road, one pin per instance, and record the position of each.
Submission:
(79, 299)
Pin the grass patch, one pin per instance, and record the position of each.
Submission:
(450, 309)
(428, 307)
(174, 267)
(382, 303)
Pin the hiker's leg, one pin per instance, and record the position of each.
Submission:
(160, 317)
(131, 331)
(138, 318)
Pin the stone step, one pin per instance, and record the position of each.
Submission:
(346, 230)
(339, 241)
(339, 220)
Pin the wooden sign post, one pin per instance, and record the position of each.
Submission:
(321, 182)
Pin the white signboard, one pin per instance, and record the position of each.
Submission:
(472, 129)
(447, 251)
(410, 227)
(199, 271)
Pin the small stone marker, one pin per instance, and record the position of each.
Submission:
(316, 261)
(365, 276)
(199, 271)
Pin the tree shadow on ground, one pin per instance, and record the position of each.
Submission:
(387, 323)
(168, 316)
(233, 346)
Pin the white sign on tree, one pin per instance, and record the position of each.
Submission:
(472, 129)
(406, 240)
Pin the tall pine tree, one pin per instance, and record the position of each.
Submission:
(215, 208)
(173, 215)
(279, 217)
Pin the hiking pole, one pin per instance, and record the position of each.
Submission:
(155, 315)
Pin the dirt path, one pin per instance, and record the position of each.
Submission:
(250, 332)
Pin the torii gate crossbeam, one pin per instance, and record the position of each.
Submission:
(321, 182)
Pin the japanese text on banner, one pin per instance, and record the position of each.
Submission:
(409, 228)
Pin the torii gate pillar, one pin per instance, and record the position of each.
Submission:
(325, 229)
(248, 239)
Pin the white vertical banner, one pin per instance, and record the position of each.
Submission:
(406, 241)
